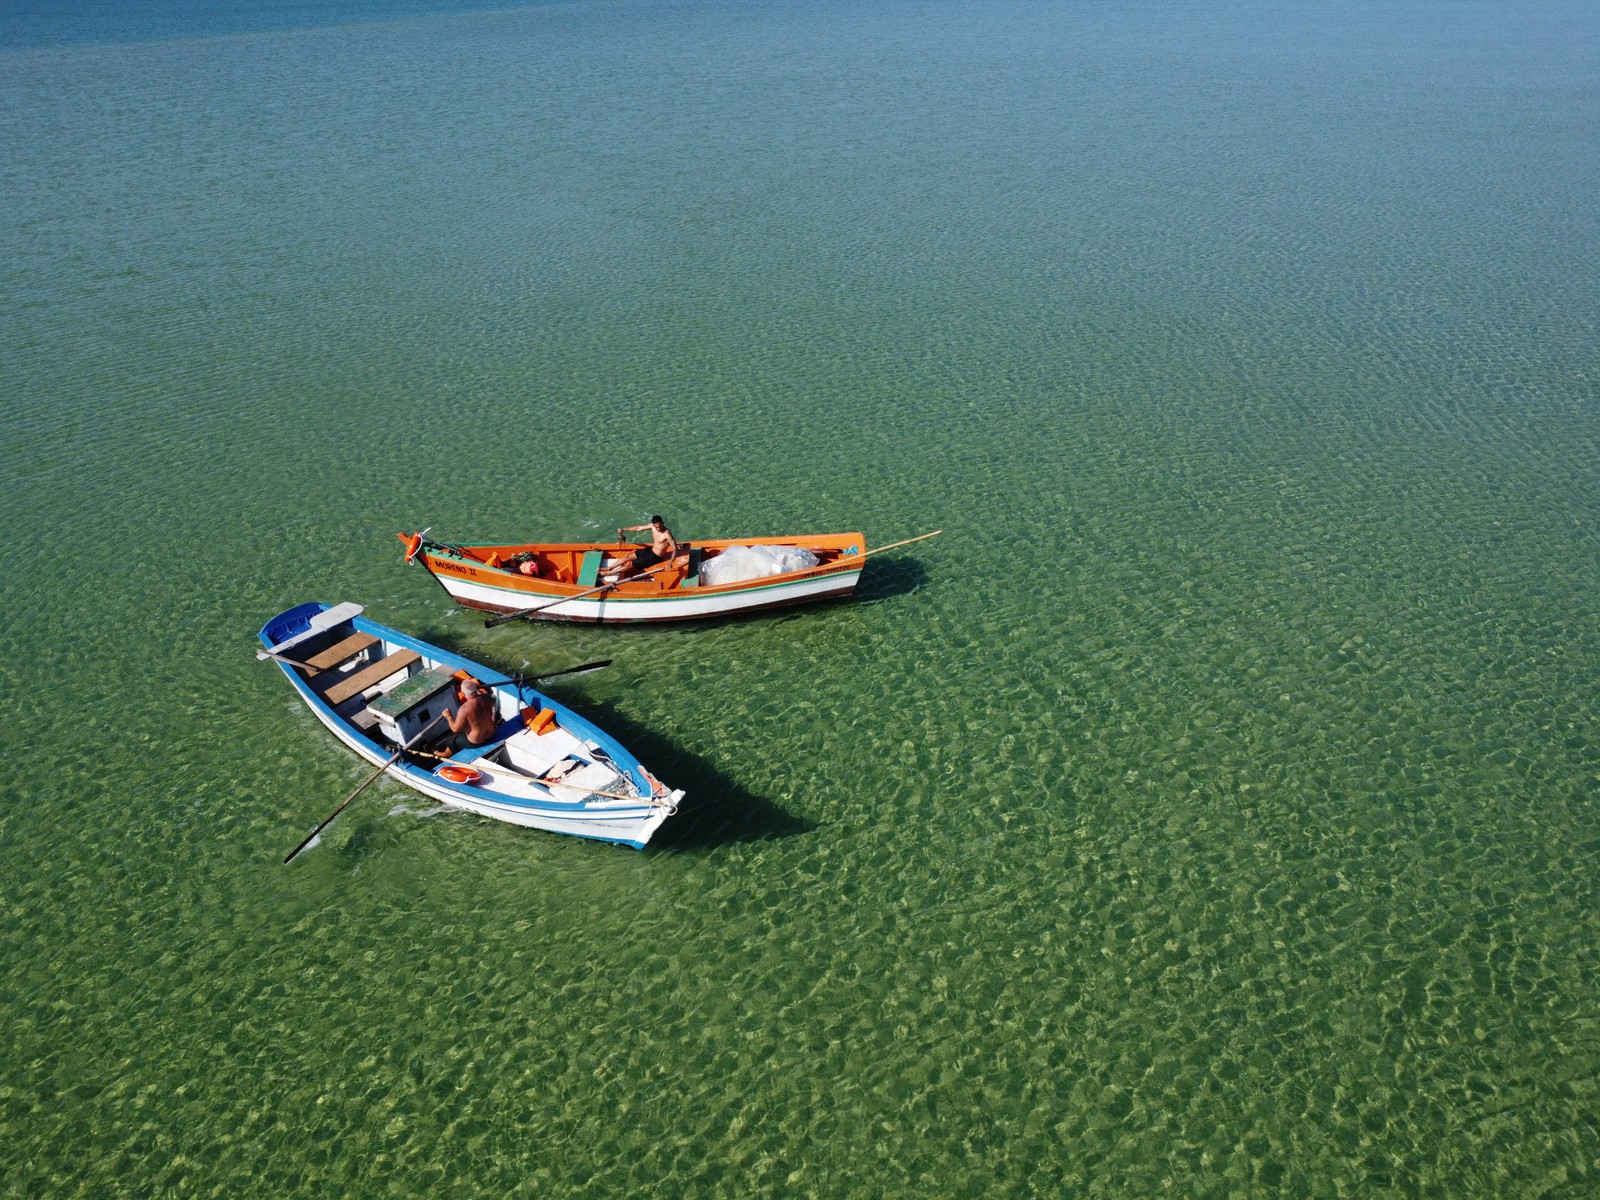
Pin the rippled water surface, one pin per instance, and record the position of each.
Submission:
(1211, 809)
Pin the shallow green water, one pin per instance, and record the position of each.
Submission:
(1212, 808)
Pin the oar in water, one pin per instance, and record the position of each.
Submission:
(604, 587)
(519, 679)
(578, 670)
(396, 758)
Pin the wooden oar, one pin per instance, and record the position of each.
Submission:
(578, 670)
(284, 658)
(551, 783)
(846, 561)
(578, 787)
(396, 758)
(594, 666)
(604, 587)
(522, 679)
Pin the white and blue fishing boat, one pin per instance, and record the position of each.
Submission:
(384, 694)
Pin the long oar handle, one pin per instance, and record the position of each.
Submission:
(578, 787)
(498, 683)
(575, 787)
(578, 670)
(604, 587)
(846, 561)
(370, 778)
(284, 658)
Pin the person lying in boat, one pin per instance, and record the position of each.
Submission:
(473, 723)
(663, 546)
(525, 562)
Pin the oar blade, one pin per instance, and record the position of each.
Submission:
(370, 779)
(583, 669)
(311, 840)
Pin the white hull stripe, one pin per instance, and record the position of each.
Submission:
(673, 608)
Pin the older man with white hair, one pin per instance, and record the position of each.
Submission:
(473, 723)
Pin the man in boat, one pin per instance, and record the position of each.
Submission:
(663, 546)
(473, 723)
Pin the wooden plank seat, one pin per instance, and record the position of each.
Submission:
(311, 646)
(341, 687)
(319, 631)
(338, 652)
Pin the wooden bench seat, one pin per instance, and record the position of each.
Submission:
(319, 631)
(337, 653)
(342, 687)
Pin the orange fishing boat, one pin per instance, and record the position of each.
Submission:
(568, 581)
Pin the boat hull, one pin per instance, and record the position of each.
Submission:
(470, 576)
(486, 596)
(501, 791)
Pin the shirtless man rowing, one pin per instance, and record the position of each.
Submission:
(663, 546)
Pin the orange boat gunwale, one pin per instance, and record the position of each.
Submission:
(483, 576)
(560, 563)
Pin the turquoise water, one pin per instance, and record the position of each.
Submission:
(1211, 809)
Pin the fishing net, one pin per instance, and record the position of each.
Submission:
(737, 564)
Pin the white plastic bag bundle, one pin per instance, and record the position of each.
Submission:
(737, 564)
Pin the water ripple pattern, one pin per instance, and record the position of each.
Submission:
(1211, 810)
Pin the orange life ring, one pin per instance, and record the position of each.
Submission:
(460, 774)
(413, 543)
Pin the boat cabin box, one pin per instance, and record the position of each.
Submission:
(405, 710)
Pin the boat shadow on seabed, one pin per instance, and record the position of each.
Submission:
(885, 581)
(715, 810)
(888, 578)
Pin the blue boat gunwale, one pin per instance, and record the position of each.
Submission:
(298, 619)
